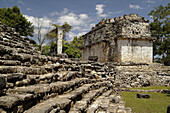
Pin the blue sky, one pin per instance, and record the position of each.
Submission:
(82, 15)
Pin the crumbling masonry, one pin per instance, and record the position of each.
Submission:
(123, 39)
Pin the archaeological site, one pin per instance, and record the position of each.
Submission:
(35, 83)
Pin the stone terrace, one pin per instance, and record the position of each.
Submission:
(33, 83)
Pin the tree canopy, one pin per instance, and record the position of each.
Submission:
(12, 17)
(160, 28)
(74, 48)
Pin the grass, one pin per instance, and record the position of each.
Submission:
(156, 104)
(152, 87)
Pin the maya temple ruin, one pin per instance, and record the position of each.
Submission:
(35, 83)
(123, 39)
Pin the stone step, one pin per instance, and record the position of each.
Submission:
(68, 75)
(26, 59)
(20, 69)
(56, 87)
(56, 104)
(16, 102)
(22, 55)
(141, 72)
(52, 104)
(20, 79)
(37, 93)
(80, 106)
(33, 70)
(15, 43)
(9, 34)
(77, 93)
(95, 105)
(9, 62)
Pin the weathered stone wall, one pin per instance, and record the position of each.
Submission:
(127, 27)
(101, 50)
(139, 51)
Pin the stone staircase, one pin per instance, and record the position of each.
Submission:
(33, 83)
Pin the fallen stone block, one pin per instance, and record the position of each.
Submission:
(147, 96)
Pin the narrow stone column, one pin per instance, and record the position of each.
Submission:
(59, 43)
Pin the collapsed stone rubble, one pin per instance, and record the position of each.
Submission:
(34, 83)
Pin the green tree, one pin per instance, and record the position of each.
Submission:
(46, 50)
(12, 17)
(74, 48)
(160, 28)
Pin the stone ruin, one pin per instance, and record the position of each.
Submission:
(34, 83)
(123, 39)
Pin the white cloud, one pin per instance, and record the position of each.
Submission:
(71, 35)
(116, 12)
(21, 2)
(43, 31)
(81, 23)
(82, 33)
(91, 25)
(135, 6)
(45, 21)
(100, 9)
(150, 1)
(70, 18)
(54, 13)
(76, 28)
(73, 19)
(28, 9)
(83, 16)
(65, 11)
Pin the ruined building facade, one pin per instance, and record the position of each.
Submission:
(123, 39)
